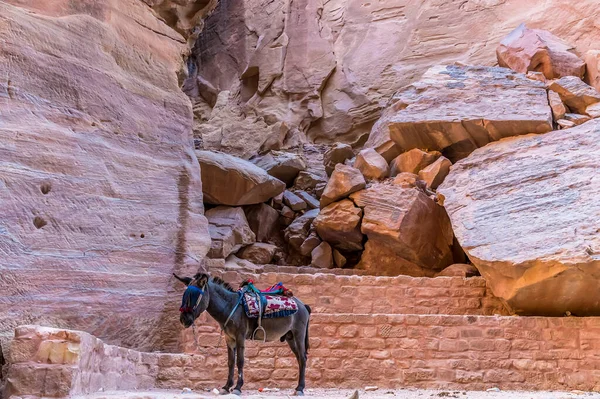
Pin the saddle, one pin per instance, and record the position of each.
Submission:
(275, 301)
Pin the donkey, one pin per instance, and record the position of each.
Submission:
(221, 301)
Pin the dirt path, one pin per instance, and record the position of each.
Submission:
(345, 394)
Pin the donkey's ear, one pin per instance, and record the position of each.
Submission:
(184, 280)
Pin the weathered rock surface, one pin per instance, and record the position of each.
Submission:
(311, 242)
(412, 161)
(456, 109)
(297, 232)
(577, 119)
(593, 110)
(293, 201)
(525, 212)
(338, 153)
(100, 190)
(434, 174)
(339, 225)
(263, 221)
(407, 232)
(459, 270)
(232, 181)
(575, 93)
(338, 259)
(322, 256)
(311, 201)
(343, 181)
(229, 231)
(372, 165)
(538, 50)
(258, 253)
(592, 62)
(284, 166)
(558, 107)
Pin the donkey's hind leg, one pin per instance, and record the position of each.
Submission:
(296, 343)
(231, 367)
(240, 366)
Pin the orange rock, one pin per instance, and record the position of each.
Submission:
(575, 93)
(343, 181)
(459, 270)
(538, 50)
(407, 232)
(592, 61)
(413, 161)
(339, 225)
(372, 165)
(435, 173)
(558, 107)
(338, 153)
(322, 256)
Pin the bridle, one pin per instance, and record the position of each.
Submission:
(191, 290)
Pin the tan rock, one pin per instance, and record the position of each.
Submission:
(263, 221)
(284, 166)
(338, 153)
(322, 256)
(258, 253)
(412, 161)
(459, 270)
(229, 180)
(593, 110)
(297, 232)
(575, 93)
(311, 242)
(558, 107)
(339, 225)
(524, 210)
(407, 232)
(372, 165)
(100, 190)
(293, 201)
(406, 180)
(565, 124)
(576, 118)
(435, 173)
(538, 50)
(338, 259)
(454, 109)
(344, 181)
(229, 231)
(592, 61)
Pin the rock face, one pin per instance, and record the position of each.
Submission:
(263, 220)
(344, 181)
(538, 50)
(100, 190)
(592, 61)
(229, 231)
(456, 109)
(232, 181)
(356, 56)
(524, 210)
(339, 225)
(372, 165)
(407, 232)
(575, 93)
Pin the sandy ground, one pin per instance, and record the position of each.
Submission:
(346, 393)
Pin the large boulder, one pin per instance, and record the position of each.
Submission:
(229, 180)
(298, 230)
(284, 166)
(412, 161)
(263, 221)
(525, 210)
(339, 225)
(408, 233)
(538, 50)
(344, 181)
(229, 231)
(456, 109)
(371, 164)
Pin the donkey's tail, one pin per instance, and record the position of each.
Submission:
(306, 340)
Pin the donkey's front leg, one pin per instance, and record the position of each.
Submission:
(231, 366)
(240, 366)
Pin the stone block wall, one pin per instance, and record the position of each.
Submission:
(347, 351)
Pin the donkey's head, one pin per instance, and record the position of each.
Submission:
(195, 298)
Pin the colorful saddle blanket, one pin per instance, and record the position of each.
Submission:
(272, 302)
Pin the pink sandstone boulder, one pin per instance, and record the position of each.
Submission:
(412, 161)
(372, 165)
(263, 221)
(455, 109)
(459, 270)
(592, 61)
(434, 174)
(258, 253)
(525, 211)
(284, 166)
(339, 225)
(232, 181)
(538, 50)
(575, 93)
(322, 256)
(407, 232)
(229, 231)
(100, 189)
(558, 107)
(338, 153)
(344, 181)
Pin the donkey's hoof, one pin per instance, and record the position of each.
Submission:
(223, 391)
(237, 392)
(298, 393)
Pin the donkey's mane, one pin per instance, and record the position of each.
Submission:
(221, 282)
